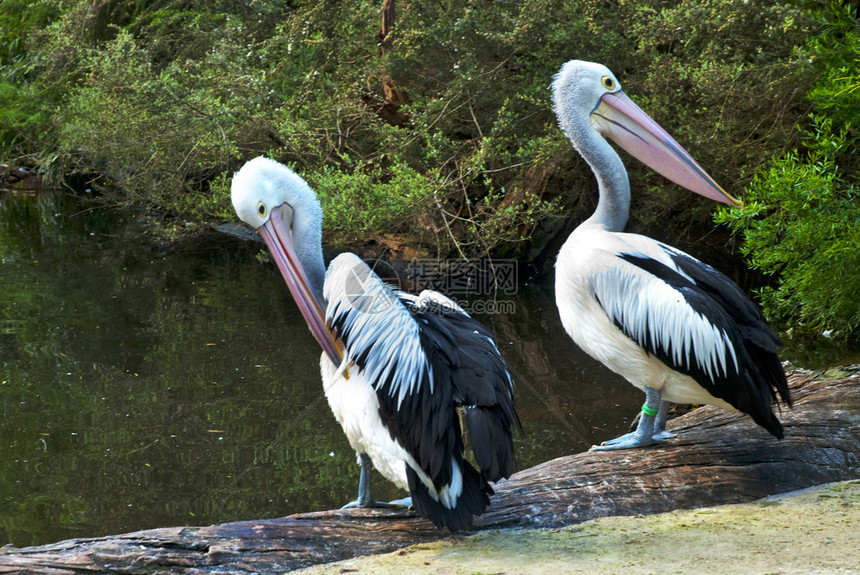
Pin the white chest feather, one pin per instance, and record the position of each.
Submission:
(356, 408)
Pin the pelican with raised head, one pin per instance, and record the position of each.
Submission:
(671, 325)
(396, 368)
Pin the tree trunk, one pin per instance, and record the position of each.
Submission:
(393, 97)
(718, 457)
(386, 31)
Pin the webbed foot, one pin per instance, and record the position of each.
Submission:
(378, 504)
(627, 441)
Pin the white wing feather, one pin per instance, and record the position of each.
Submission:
(379, 326)
(658, 316)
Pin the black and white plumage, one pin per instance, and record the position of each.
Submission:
(396, 368)
(671, 325)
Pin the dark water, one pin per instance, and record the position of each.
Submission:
(142, 389)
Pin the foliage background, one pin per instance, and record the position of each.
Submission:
(801, 226)
(442, 134)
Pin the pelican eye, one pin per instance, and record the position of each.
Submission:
(608, 82)
(261, 209)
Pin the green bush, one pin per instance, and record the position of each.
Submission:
(801, 224)
(152, 133)
(364, 201)
(23, 113)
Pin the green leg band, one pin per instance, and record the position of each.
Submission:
(648, 411)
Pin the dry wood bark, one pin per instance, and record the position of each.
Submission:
(718, 457)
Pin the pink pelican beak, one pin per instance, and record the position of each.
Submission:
(278, 236)
(620, 119)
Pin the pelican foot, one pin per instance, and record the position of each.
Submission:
(662, 436)
(378, 504)
(405, 502)
(627, 441)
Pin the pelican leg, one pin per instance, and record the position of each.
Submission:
(644, 434)
(660, 432)
(364, 499)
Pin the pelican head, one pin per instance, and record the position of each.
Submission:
(588, 97)
(263, 184)
(274, 200)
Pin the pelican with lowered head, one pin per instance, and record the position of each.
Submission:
(671, 325)
(397, 369)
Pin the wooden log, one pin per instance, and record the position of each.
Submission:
(718, 457)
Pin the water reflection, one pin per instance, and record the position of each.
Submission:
(143, 389)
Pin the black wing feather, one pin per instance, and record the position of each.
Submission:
(761, 342)
(461, 351)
